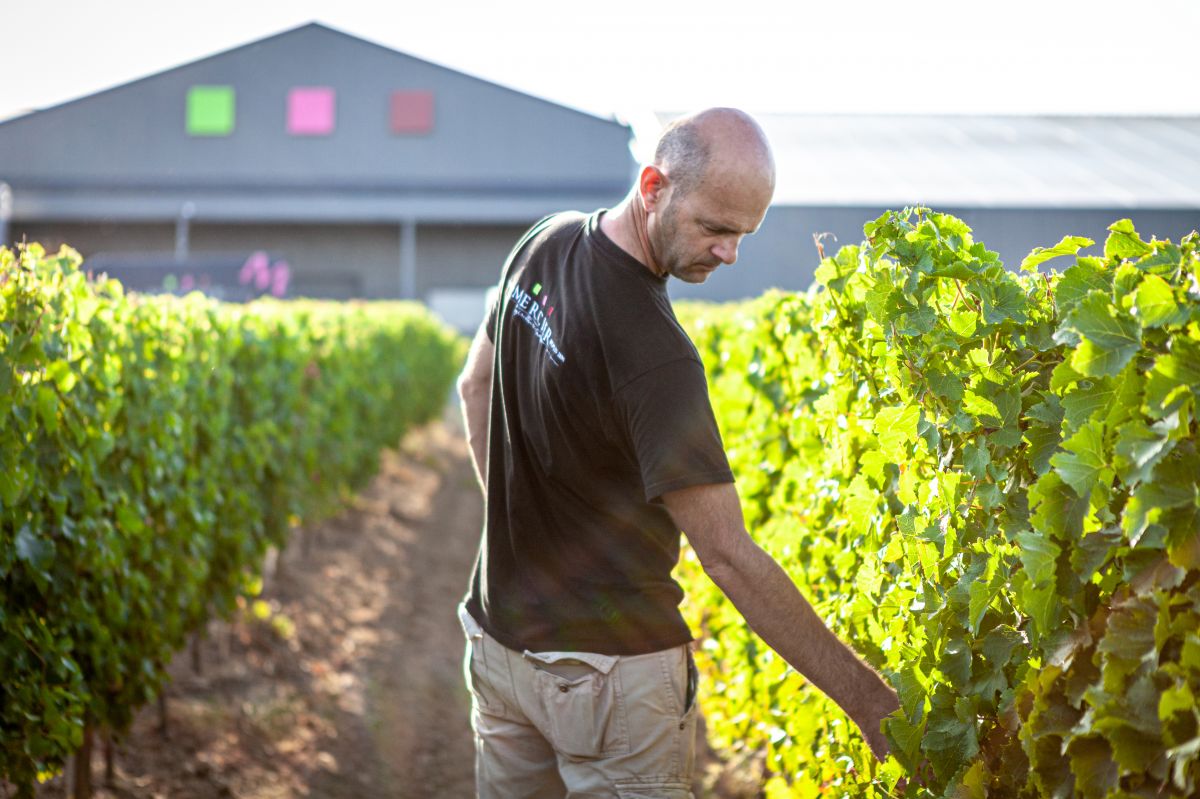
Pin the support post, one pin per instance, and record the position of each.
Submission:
(197, 658)
(110, 772)
(163, 728)
(183, 229)
(81, 773)
(6, 211)
(408, 258)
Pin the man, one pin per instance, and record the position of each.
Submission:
(588, 416)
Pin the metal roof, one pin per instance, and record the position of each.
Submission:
(985, 161)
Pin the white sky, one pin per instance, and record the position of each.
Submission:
(629, 57)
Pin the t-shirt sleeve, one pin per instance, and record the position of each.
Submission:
(671, 428)
(492, 310)
(497, 299)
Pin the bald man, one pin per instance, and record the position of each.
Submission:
(593, 437)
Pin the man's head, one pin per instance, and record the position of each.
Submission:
(710, 184)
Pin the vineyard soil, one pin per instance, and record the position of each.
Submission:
(352, 687)
(363, 697)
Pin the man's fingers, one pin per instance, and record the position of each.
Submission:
(879, 745)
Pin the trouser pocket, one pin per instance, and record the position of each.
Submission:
(580, 695)
(688, 720)
(693, 685)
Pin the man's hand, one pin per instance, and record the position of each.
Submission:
(711, 517)
(869, 721)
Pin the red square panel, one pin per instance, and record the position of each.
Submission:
(412, 112)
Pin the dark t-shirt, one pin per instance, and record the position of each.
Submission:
(599, 405)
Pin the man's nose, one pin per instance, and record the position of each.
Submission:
(726, 250)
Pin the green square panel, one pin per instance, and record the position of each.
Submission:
(210, 110)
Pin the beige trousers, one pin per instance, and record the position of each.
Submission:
(550, 725)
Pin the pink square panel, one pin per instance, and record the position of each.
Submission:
(412, 111)
(310, 111)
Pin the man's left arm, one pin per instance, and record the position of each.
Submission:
(474, 389)
(711, 517)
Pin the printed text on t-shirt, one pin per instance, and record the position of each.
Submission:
(537, 315)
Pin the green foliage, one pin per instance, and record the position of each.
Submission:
(151, 449)
(987, 482)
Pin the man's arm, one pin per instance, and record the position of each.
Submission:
(711, 517)
(474, 388)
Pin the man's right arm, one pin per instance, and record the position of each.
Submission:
(711, 517)
(474, 389)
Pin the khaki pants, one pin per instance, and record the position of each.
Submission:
(550, 725)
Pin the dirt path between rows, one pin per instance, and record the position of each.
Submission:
(351, 685)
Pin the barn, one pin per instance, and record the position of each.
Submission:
(367, 172)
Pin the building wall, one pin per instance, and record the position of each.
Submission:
(333, 261)
(463, 256)
(483, 135)
(93, 237)
(344, 261)
(782, 253)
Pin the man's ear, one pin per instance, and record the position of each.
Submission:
(652, 184)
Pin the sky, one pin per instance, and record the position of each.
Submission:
(629, 58)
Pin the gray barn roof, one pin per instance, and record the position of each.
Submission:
(492, 154)
(986, 161)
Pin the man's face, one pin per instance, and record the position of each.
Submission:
(696, 231)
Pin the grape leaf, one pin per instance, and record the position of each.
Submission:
(911, 691)
(896, 428)
(1173, 377)
(1109, 337)
(1173, 486)
(1069, 245)
(907, 738)
(1155, 305)
(1084, 402)
(1083, 462)
(963, 323)
(1177, 700)
(1038, 556)
(1125, 281)
(1057, 509)
(880, 300)
(1124, 242)
(1049, 411)
(949, 386)
(34, 549)
(47, 407)
(915, 321)
(1165, 260)
(1084, 276)
(1043, 443)
(1128, 639)
(1140, 447)
(976, 459)
(949, 742)
(955, 662)
(1093, 549)
(956, 269)
(1003, 301)
(999, 644)
(1093, 766)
